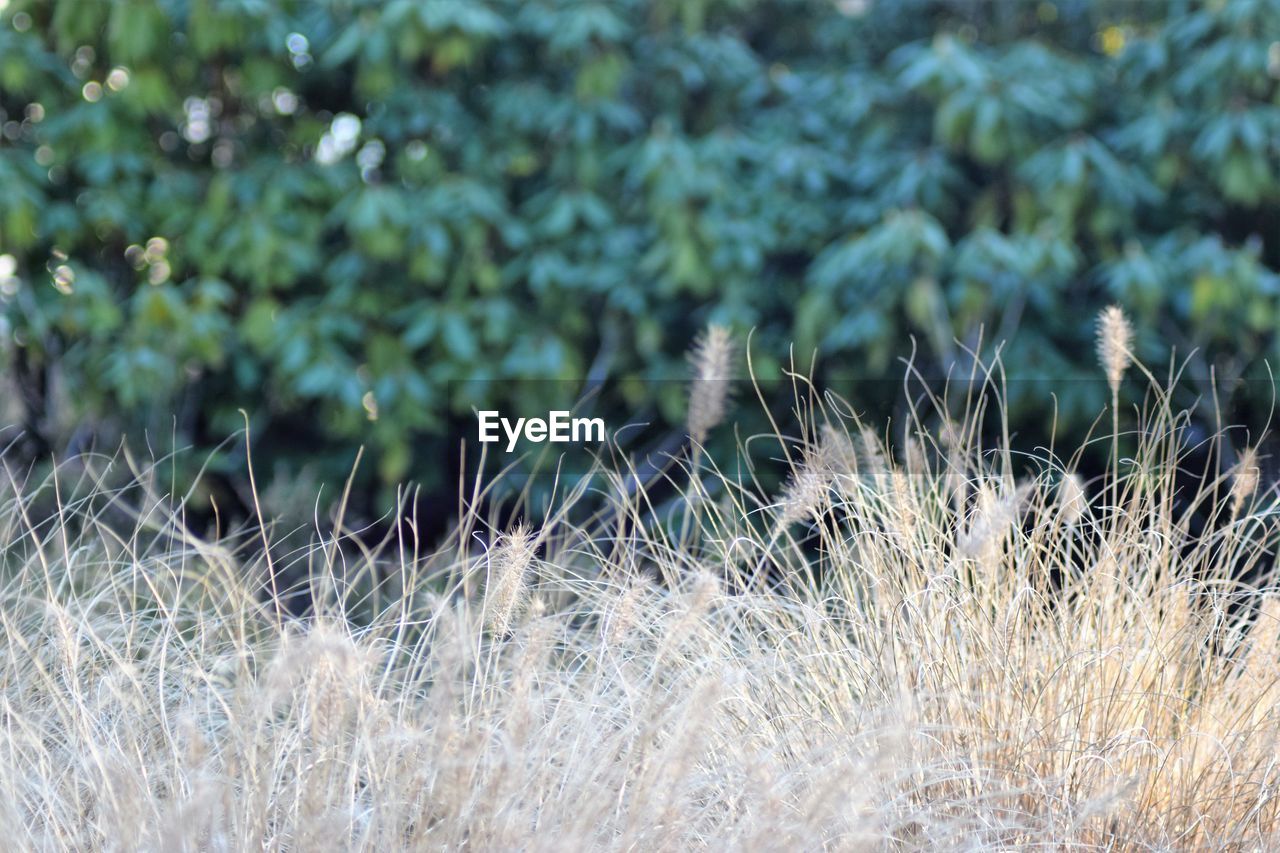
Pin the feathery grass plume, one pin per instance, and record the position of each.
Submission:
(1115, 337)
(621, 619)
(1026, 496)
(804, 493)
(1244, 479)
(1072, 500)
(704, 591)
(711, 358)
(509, 563)
(873, 457)
(1115, 341)
(992, 517)
(906, 510)
(319, 673)
(529, 665)
(913, 457)
(836, 449)
(837, 453)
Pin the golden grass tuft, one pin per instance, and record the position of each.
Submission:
(919, 654)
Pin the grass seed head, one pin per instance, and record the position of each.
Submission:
(711, 357)
(803, 495)
(1115, 342)
(1072, 500)
(1244, 479)
(509, 565)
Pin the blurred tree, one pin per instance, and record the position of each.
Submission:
(351, 218)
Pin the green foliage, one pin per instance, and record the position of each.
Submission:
(351, 218)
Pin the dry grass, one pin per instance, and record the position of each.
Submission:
(922, 646)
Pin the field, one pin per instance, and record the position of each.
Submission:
(917, 642)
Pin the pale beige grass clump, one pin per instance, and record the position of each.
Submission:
(951, 650)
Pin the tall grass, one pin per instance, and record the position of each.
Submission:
(930, 644)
